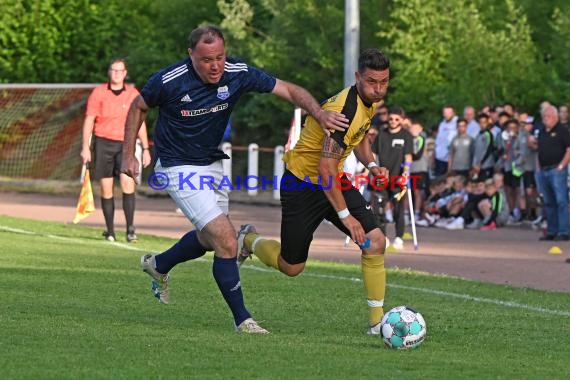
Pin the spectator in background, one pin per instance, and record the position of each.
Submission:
(563, 115)
(512, 172)
(472, 125)
(380, 118)
(509, 109)
(227, 137)
(461, 151)
(553, 144)
(445, 133)
(527, 161)
(394, 149)
(105, 118)
(494, 208)
(420, 166)
(494, 119)
(483, 152)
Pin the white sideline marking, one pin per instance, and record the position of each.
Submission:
(467, 297)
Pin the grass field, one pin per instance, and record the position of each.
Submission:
(74, 306)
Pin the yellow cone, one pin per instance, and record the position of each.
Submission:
(391, 249)
(407, 236)
(555, 250)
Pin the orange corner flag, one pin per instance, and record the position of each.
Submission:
(86, 203)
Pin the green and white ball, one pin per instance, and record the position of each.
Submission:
(403, 328)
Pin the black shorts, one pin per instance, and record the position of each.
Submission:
(108, 156)
(421, 180)
(528, 180)
(511, 180)
(304, 206)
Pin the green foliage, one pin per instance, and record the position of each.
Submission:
(447, 53)
(457, 51)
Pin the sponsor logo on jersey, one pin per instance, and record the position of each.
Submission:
(398, 142)
(223, 93)
(203, 111)
(186, 98)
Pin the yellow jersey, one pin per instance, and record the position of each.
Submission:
(303, 159)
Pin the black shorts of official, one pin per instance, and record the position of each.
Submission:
(528, 180)
(511, 180)
(420, 180)
(108, 156)
(304, 206)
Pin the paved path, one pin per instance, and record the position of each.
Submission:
(511, 256)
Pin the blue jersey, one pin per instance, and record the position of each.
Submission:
(193, 115)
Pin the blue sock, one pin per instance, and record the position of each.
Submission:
(187, 248)
(226, 275)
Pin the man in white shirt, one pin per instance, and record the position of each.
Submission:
(473, 127)
(445, 133)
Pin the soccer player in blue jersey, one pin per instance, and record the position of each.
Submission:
(195, 98)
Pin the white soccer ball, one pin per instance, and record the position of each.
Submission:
(403, 328)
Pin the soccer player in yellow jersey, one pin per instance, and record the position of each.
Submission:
(312, 188)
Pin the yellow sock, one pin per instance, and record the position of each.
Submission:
(374, 275)
(266, 250)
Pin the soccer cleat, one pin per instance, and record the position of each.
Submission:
(109, 236)
(398, 244)
(375, 330)
(562, 237)
(250, 326)
(131, 236)
(243, 253)
(159, 280)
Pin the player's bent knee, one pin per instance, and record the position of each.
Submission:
(377, 242)
(290, 270)
(220, 235)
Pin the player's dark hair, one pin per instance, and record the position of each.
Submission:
(206, 34)
(372, 59)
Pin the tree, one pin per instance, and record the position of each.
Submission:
(445, 53)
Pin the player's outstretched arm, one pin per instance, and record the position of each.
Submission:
(135, 117)
(302, 98)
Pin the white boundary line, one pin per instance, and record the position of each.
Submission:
(467, 297)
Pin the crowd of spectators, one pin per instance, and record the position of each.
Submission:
(493, 167)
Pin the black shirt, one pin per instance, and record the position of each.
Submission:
(552, 145)
(391, 148)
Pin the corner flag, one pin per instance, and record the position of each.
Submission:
(86, 203)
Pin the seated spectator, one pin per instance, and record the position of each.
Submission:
(437, 187)
(494, 208)
(470, 216)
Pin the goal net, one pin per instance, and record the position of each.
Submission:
(40, 130)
